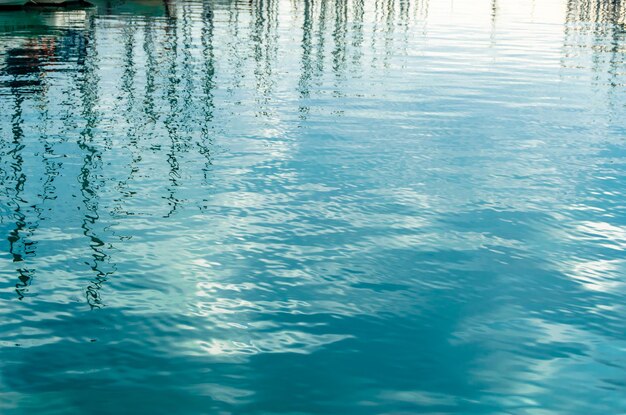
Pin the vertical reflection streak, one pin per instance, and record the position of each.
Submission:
(132, 123)
(150, 73)
(304, 83)
(20, 245)
(208, 84)
(264, 38)
(88, 176)
(357, 34)
(339, 39)
(321, 37)
(171, 120)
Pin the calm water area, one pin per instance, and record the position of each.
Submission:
(313, 207)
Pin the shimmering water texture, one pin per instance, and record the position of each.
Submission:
(313, 207)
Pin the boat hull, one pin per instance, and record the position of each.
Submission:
(49, 2)
(12, 3)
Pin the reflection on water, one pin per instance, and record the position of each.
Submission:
(394, 206)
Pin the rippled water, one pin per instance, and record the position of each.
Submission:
(299, 207)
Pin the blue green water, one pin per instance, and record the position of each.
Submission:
(313, 207)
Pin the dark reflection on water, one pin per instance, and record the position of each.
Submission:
(395, 206)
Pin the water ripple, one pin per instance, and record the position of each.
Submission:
(300, 207)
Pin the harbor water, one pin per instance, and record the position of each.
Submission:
(313, 207)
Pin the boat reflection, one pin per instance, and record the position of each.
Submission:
(153, 72)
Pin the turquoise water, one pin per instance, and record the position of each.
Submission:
(313, 207)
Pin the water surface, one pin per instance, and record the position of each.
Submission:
(313, 207)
